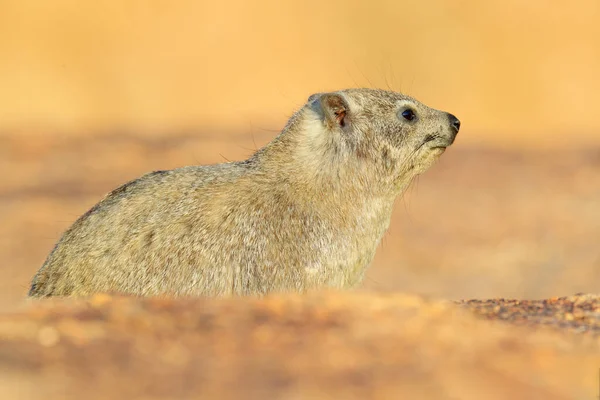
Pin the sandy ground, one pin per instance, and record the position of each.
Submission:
(320, 346)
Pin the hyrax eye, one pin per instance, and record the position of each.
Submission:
(408, 114)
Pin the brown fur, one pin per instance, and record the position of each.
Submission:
(307, 211)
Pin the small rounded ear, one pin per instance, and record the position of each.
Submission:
(332, 108)
(314, 96)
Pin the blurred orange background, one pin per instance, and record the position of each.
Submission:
(513, 70)
(93, 94)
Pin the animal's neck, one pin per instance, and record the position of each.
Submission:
(309, 159)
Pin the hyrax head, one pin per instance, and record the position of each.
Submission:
(397, 133)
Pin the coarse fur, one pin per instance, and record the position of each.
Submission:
(307, 211)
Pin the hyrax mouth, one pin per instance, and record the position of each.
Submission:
(434, 142)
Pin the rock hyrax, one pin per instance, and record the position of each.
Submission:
(307, 211)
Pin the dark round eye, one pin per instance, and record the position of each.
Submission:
(408, 114)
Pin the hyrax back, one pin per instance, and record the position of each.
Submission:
(307, 211)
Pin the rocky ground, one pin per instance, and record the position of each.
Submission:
(320, 346)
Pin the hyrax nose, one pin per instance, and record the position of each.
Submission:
(455, 122)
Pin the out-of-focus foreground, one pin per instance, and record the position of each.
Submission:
(94, 94)
(326, 346)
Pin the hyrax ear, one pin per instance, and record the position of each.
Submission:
(313, 97)
(332, 107)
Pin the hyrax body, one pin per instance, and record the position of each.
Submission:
(307, 211)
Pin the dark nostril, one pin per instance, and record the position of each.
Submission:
(454, 122)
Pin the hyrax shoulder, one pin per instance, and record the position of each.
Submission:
(307, 211)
